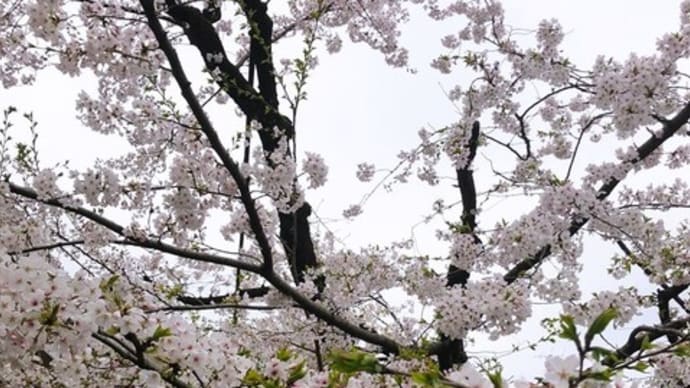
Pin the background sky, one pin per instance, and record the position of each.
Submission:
(359, 109)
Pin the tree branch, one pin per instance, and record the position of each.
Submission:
(204, 37)
(638, 335)
(669, 129)
(267, 271)
(214, 299)
(142, 242)
(207, 127)
(138, 360)
(453, 350)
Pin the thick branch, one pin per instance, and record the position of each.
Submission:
(652, 333)
(207, 127)
(294, 228)
(214, 299)
(452, 351)
(295, 235)
(669, 129)
(261, 39)
(664, 295)
(468, 193)
(204, 37)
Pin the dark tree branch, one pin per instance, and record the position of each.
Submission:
(202, 27)
(219, 306)
(663, 296)
(48, 247)
(669, 129)
(204, 37)
(261, 39)
(468, 194)
(452, 351)
(214, 299)
(652, 333)
(266, 271)
(294, 227)
(295, 235)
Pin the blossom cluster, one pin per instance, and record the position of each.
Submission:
(127, 273)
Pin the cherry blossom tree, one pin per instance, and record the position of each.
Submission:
(196, 259)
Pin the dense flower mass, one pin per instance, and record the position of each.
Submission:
(193, 257)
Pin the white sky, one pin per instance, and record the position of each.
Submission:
(359, 110)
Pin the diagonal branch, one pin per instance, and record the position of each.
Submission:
(209, 131)
(137, 359)
(267, 272)
(669, 129)
(387, 344)
(295, 233)
(204, 37)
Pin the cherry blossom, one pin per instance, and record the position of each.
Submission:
(194, 256)
(559, 370)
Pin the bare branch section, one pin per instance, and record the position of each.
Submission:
(663, 296)
(260, 48)
(249, 293)
(649, 334)
(204, 37)
(670, 128)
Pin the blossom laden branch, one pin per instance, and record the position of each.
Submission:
(138, 358)
(267, 269)
(210, 132)
(139, 241)
(669, 128)
(453, 351)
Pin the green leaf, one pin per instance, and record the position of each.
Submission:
(354, 361)
(599, 353)
(496, 379)
(107, 285)
(682, 350)
(252, 378)
(640, 366)
(161, 332)
(646, 344)
(603, 375)
(568, 329)
(296, 373)
(283, 354)
(48, 316)
(427, 378)
(599, 325)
